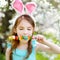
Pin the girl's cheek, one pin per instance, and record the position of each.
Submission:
(31, 33)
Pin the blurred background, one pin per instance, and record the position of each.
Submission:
(47, 17)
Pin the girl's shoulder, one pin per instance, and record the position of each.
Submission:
(34, 42)
(8, 44)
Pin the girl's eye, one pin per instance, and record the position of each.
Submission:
(21, 29)
(28, 29)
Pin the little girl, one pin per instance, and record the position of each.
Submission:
(24, 44)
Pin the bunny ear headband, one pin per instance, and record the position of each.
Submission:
(19, 6)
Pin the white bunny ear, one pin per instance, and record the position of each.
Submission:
(30, 7)
(18, 6)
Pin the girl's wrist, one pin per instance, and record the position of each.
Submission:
(47, 43)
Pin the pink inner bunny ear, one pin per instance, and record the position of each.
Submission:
(18, 5)
(30, 7)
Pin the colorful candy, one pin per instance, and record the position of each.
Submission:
(20, 38)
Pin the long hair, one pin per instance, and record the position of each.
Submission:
(16, 42)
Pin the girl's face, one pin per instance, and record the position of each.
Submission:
(24, 28)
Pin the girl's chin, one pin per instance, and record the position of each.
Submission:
(24, 41)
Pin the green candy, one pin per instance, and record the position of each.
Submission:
(25, 37)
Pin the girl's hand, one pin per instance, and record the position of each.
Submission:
(39, 38)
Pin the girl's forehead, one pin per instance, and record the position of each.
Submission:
(25, 23)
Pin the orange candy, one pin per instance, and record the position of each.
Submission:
(29, 37)
(20, 38)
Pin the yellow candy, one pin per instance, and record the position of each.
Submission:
(11, 37)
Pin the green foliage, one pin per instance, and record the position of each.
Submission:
(35, 33)
(39, 56)
(51, 36)
(2, 57)
(58, 57)
(54, 40)
(5, 20)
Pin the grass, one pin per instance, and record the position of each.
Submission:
(39, 56)
(58, 57)
(2, 57)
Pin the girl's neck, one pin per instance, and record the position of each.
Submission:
(22, 46)
(23, 43)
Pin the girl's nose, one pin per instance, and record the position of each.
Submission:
(25, 32)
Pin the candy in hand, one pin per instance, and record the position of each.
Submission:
(13, 38)
(19, 38)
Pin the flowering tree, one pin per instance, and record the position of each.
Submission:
(6, 14)
(47, 16)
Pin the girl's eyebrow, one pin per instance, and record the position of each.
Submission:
(21, 27)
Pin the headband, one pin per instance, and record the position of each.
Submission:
(19, 7)
(22, 9)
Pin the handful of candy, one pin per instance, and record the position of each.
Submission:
(19, 38)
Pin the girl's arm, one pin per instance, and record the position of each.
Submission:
(47, 46)
(53, 47)
(7, 53)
